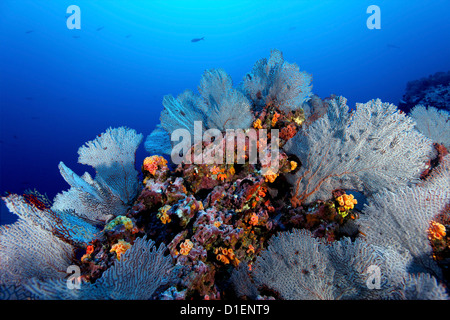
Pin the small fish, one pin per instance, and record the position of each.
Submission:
(128, 36)
(292, 28)
(99, 28)
(197, 39)
(29, 98)
(35, 118)
(29, 31)
(76, 37)
(393, 46)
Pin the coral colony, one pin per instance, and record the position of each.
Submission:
(260, 191)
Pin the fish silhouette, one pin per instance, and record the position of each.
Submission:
(392, 46)
(76, 37)
(100, 28)
(29, 31)
(197, 39)
(128, 36)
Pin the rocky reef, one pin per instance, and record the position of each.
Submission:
(433, 90)
(352, 204)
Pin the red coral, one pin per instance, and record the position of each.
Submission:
(441, 152)
(37, 200)
(288, 132)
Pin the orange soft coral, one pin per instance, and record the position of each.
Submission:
(89, 250)
(215, 170)
(275, 118)
(254, 219)
(221, 176)
(162, 214)
(293, 165)
(226, 256)
(257, 124)
(262, 191)
(153, 163)
(120, 248)
(270, 176)
(436, 231)
(219, 173)
(346, 202)
(186, 247)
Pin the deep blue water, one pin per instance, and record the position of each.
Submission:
(60, 88)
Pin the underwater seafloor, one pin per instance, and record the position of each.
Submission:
(353, 204)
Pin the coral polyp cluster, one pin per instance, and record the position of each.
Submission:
(154, 165)
(185, 247)
(437, 231)
(345, 202)
(120, 247)
(276, 214)
(162, 214)
(226, 256)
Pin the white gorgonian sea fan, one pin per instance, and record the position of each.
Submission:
(369, 149)
(116, 182)
(433, 123)
(300, 267)
(141, 270)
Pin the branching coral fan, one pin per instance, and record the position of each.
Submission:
(357, 206)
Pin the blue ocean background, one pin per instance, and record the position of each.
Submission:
(60, 88)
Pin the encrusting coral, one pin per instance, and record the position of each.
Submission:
(293, 228)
